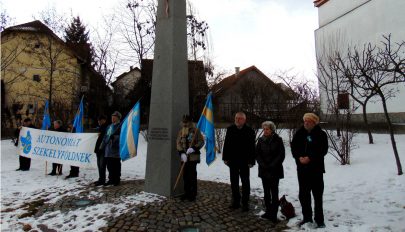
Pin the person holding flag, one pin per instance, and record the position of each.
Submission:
(189, 142)
(111, 144)
(130, 133)
(206, 126)
(77, 128)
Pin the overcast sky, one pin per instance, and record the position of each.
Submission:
(273, 35)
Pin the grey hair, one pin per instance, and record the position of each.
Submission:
(269, 124)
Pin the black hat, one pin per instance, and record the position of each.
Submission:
(187, 118)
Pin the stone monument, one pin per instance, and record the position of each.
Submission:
(169, 98)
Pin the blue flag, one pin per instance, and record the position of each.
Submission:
(206, 126)
(46, 121)
(130, 133)
(78, 122)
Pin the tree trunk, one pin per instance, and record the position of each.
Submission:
(391, 129)
(370, 136)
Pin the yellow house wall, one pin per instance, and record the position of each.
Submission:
(18, 76)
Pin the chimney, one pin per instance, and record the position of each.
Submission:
(237, 69)
(130, 68)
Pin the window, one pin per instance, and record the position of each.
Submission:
(37, 45)
(343, 101)
(36, 78)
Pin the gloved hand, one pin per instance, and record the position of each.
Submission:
(183, 157)
(190, 150)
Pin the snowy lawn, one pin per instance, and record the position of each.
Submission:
(367, 195)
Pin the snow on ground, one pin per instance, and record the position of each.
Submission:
(367, 195)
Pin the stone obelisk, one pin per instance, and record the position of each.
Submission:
(169, 98)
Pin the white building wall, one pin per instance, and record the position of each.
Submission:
(345, 23)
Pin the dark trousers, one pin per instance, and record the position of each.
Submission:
(57, 168)
(74, 171)
(114, 169)
(190, 179)
(25, 163)
(311, 182)
(101, 165)
(243, 173)
(271, 199)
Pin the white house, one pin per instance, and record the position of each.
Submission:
(347, 23)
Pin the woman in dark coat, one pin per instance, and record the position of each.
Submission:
(270, 155)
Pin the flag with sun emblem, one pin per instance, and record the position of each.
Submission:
(130, 133)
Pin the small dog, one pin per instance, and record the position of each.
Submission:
(287, 209)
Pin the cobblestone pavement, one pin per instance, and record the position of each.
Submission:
(209, 212)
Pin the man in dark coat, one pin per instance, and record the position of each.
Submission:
(25, 162)
(74, 170)
(309, 146)
(57, 168)
(111, 143)
(101, 164)
(239, 156)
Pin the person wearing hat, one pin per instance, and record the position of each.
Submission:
(111, 144)
(25, 162)
(189, 142)
(309, 147)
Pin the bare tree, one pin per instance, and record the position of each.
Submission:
(5, 20)
(58, 65)
(138, 23)
(197, 34)
(54, 20)
(374, 68)
(106, 55)
(360, 96)
(137, 26)
(304, 98)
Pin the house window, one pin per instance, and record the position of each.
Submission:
(36, 78)
(343, 101)
(37, 45)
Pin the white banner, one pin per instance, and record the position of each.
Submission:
(76, 149)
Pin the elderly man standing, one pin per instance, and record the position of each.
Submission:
(239, 156)
(111, 143)
(309, 146)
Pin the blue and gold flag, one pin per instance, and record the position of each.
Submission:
(46, 121)
(206, 126)
(130, 133)
(78, 122)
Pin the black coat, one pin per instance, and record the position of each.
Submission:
(17, 133)
(270, 154)
(60, 129)
(313, 144)
(101, 132)
(239, 146)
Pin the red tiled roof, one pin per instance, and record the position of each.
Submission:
(318, 3)
(231, 80)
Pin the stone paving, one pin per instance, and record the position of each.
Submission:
(208, 213)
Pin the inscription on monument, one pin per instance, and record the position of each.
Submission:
(159, 133)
